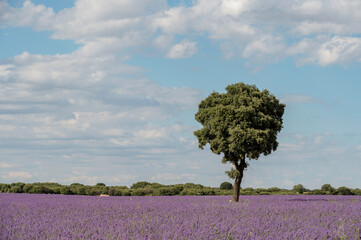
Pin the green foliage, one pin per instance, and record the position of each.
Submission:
(126, 192)
(18, 184)
(155, 185)
(56, 190)
(105, 190)
(116, 191)
(192, 185)
(141, 184)
(357, 192)
(318, 192)
(27, 188)
(241, 123)
(327, 188)
(37, 189)
(233, 173)
(156, 189)
(343, 191)
(226, 186)
(299, 188)
(222, 192)
(274, 189)
(244, 121)
(65, 190)
(4, 187)
(16, 189)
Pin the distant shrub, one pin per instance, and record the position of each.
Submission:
(192, 185)
(274, 189)
(155, 185)
(19, 184)
(105, 190)
(344, 191)
(141, 184)
(56, 190)
(190, 192)
(163, 191)
(144, 188)
(65, 190)
(16, 189)
(38, 189)
(223, 192)
(318, 192)
(4, 187)
(226, 186)
(126, 192)
(118, 192)
(27, 188)
(328, 189)
(299, 188)
(138, 192)
(357, 192)
(244, 192)
(207, 191)
(47, 190)
(168, 191)
(111, 191)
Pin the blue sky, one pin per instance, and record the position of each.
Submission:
(107, 91)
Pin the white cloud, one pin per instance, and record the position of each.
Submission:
(17, 176)
(340, 50)
(89, 106)
(73, 108)
(260, 28)
(309, 7)
(6, 165)
(183, 49)
(265, 49)
(325, 51)
(256, 30)
(5, 70)
(308, 28)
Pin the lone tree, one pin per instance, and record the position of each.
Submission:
(241, 123)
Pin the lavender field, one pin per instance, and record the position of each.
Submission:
(27, 216)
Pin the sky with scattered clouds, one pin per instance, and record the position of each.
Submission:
(106, 91)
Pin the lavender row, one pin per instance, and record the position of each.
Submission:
(38, 216)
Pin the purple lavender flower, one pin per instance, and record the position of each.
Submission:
(27, 216)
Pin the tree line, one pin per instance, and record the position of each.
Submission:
(144, 188)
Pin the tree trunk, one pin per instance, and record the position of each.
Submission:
(237, 182)
(237, 187)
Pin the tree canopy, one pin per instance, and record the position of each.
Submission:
(241, 123)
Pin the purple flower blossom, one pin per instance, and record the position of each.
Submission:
(27, 216)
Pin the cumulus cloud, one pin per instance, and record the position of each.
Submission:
(90, 106)
(68, 95)
(321, 32)
(325, 51)
(258, 29)
(184, 49)
(17, 176)
(5, 165)
(81, 109)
